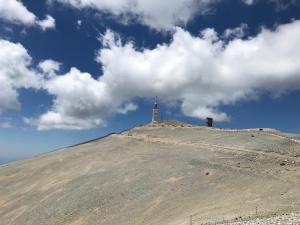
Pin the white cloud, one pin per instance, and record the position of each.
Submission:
(157, 14)
(238, 32)
(127, 108)
(47, 23)
(6, 125)
(55, 120)
(14, 11)
(15, 72)
(81, 102)
(248, 2)
(198, 73)
(279, 4)
(49, 67)
(78, 24)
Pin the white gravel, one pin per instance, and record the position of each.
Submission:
(290, 219)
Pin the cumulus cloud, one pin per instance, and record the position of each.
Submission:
(47, 23)
(15, 73)
(14, 11)
(49, 67)
(156, 14)
(238, 32)
(198, 73)
(81, 102)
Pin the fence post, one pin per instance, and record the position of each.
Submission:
(191, 219)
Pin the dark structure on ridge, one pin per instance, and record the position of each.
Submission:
(209, 122)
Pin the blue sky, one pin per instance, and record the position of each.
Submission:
(71, 70)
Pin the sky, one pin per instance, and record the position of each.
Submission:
(75, 70)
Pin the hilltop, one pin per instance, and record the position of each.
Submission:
(156, 174)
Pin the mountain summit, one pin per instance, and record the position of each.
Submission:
(168, 173)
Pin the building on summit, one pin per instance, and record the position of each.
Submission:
(155, 118)
(209, 122)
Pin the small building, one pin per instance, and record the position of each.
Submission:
(209, 122)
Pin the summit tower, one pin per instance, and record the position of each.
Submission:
(155, 112)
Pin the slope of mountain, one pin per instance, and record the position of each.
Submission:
(165, 174)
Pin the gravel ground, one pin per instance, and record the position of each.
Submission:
(155, 175)
(290, 219)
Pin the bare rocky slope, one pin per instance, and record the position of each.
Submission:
(166, 174)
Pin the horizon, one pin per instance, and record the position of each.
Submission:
(8, 161)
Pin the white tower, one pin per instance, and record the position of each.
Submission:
(155, 112)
